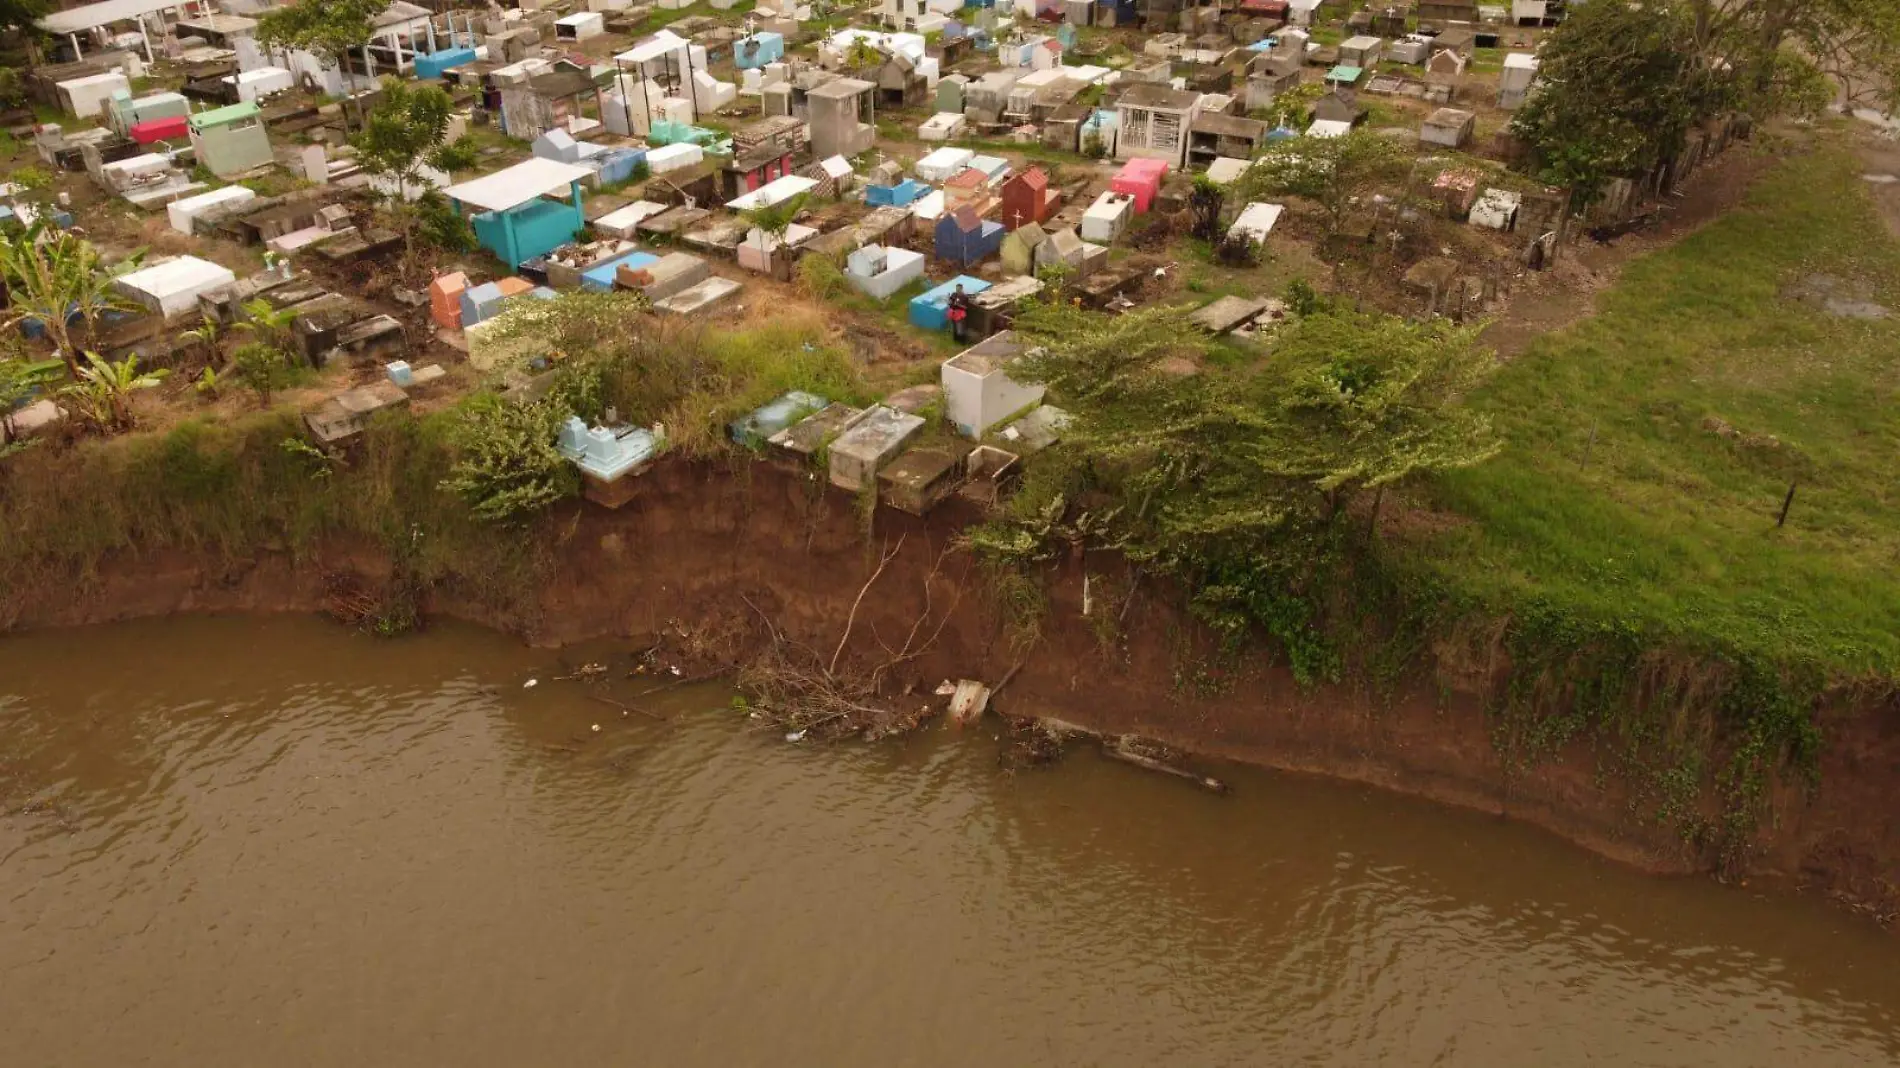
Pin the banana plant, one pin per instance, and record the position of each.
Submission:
(103, 394)
(205, 335)
(268, 322)
(51, 275)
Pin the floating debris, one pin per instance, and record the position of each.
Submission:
(968, 701)
(1034, 742)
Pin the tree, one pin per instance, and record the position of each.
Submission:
(1623, 83)
(1620, 92)
(329, 29)
(862, 55)
(52, 275)
(441, 227)
(21, 16)
(1235, 481)
(1205, 202)
(1856, 42)
(1334, 172)
(1291, 107)
(405, 134)
(263, 367)
(1372, 399)
(507, 468)
(103, 394)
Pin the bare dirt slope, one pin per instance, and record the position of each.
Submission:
(703, 554)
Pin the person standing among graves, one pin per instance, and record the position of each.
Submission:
(959, 311)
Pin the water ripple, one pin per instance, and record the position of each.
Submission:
(337, 852)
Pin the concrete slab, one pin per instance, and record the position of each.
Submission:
(699, 297)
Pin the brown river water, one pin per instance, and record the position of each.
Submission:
(270, 842)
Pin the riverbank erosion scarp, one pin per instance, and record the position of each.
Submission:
(712, 552)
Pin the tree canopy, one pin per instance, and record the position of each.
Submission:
(1619, 95)
(329, 28)
(1229, 479)
(1766, 42)
(21, 15)
(1334, 172)
(1347, 402)
(1623, 83)
(405, 135)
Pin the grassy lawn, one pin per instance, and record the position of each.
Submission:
(1708, 390)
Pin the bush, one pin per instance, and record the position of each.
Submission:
(689, 378)
(820, 277)
(507, 468)
(1238, 250)
(438, 225)
(263, 367)
(1302, 298)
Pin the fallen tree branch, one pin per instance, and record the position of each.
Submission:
(706, 676)
(625, 708)
(1007, 676)
(1134, 583)
(1118, 749)
(852, 619)
(908, 652)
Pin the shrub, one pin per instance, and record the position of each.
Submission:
(507, 468)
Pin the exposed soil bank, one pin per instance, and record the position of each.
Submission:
(701, 542)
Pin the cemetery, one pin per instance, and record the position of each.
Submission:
(949, 166)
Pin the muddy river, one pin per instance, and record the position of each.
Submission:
(271, 842)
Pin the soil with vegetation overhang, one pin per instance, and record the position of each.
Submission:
(1608, 549)
(1602, 630)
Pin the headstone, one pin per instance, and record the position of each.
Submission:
(316, 164)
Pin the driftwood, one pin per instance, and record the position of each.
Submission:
(704, 676)
(625, 707)
(1007, 677)
(1127, 750)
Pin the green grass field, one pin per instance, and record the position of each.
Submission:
(1709, 388)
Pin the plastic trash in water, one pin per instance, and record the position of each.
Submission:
(795, 736)
(596, 728)
(531, 684)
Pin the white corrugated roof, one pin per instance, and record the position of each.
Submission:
(178, 275)
(518, 184)
(773, 192)
(660, 44)
(86, 16)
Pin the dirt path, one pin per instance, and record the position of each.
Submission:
(1567, 293)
